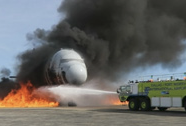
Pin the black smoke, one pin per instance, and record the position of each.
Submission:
(5, 83)
(112, 35)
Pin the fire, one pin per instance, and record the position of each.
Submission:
(114, 100)
(117, 102)
(24, 97)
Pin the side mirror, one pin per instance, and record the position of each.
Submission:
(118, 90)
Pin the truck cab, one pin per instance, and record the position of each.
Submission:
(125, 90)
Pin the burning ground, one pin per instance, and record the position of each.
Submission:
(26, 95)
(112, 36)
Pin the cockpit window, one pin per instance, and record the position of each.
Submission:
(68, 60)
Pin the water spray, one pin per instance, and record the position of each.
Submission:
(81, 96)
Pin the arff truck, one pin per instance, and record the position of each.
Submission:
(147, 95)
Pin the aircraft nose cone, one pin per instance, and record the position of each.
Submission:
(77, 74)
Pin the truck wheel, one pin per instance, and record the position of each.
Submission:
(185, 105)
(145, 105)
(133, 104)
(162, 108)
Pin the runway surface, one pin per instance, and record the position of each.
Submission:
(90, 116)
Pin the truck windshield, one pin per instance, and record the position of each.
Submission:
(125, 88)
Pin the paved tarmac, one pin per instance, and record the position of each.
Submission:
(90, 116)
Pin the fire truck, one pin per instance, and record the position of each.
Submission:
(148, 95)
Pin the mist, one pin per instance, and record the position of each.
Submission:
(68, 95)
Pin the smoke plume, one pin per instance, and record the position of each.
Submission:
(112, 35)
(5, 72)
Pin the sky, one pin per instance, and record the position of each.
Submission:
(20, 17)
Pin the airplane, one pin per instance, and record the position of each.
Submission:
(66, 67)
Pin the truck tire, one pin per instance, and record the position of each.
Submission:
(162, 108)
(145, 105)
(185, 105)
(133, 104)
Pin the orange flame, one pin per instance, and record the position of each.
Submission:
(24, 97)
(114, 100)
(117, 102)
